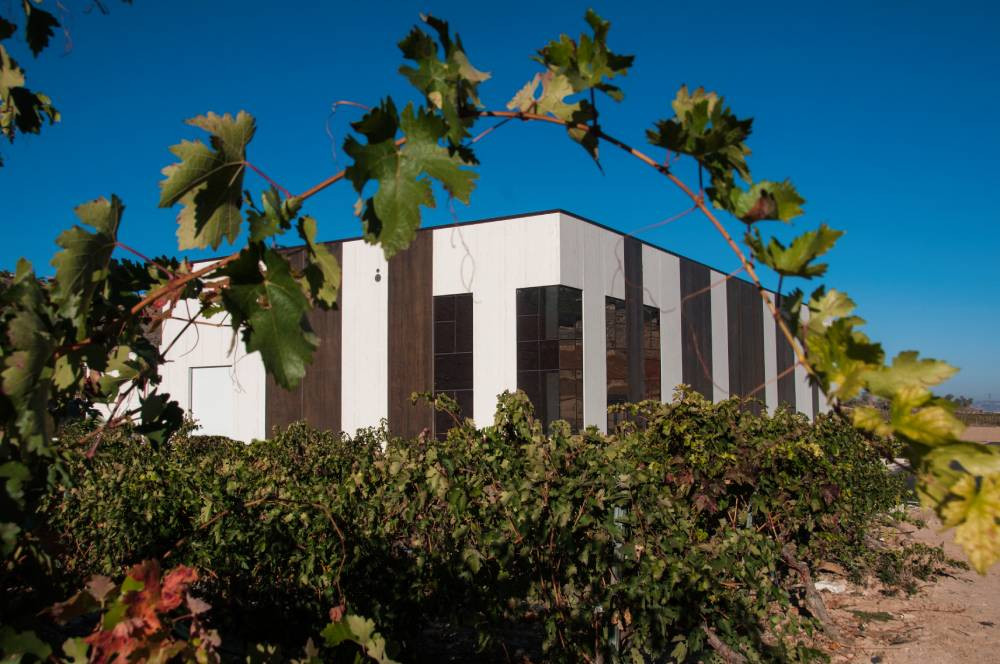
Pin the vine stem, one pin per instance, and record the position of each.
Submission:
(698, 199)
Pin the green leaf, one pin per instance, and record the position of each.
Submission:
(360, 631)
(451, 84)
(588, 62)
(274, 216)
(82, 265)
(843, 356)
(765, 200)
(913, 415)
(21, 110)
(15, 646)
(322, 272)
(122, 367)
(271, 308)
(975, 514)
(16, 474)
(704, 128)
(208, 180)
(159, 417)
(76, 650)
(391, 217)
(797, 259)
(27, 377)
(38, 27)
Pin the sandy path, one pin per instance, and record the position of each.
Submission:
(954, 619)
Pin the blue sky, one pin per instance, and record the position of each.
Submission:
(884, 117)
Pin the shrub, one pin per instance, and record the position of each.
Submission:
(658, 539)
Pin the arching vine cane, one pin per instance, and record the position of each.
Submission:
(80, 338)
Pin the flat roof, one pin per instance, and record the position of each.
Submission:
(521, 215)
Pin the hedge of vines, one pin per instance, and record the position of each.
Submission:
(669, 536)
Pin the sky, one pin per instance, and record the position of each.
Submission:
(883, 116)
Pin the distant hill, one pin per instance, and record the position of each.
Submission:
(989, 406)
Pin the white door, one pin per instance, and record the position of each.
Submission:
(212, 400)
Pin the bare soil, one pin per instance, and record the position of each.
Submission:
(953, 619)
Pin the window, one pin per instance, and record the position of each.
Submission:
(550, 352)
(651, 352)
(617, 351)
(453, 355)
(620, 386)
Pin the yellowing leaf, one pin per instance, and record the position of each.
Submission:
(975, 514)
(908, 370)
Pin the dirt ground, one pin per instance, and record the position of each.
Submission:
(953, 619)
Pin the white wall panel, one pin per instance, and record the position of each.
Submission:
(720, 337)
(365, 336)
(592, 259)
(215, 346)
(803, 390)
(662, 289)
(770, 358)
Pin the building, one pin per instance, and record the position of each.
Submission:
(577, 315)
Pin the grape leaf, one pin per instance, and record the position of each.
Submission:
(271, 308)
(274, 216)
(915, 415)
(392, 216)
(907, 370)
(21, 110)
(588, 62)
(27, 379)
(842, 356)
(450, 85)
(82, 265)
(765, 200)
(7, 29)
(322, 273)
(208, 180)
(973, 512)
(555, 88)
(796, 260)
(38, 27)
(704, 128)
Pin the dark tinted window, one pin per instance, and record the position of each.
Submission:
(617, 347)
(550, 352)
(453, 355)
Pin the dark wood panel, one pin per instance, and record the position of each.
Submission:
(321, 387)
(696, 326)
(411, 336)
(317, 398)
(281, 406)
(746, 341)
(786, 360)
(633, 319)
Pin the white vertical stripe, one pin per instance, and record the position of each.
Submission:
(770, 357)
(662, 285)
(364, 314)
(593, 258)
(720, 337)
(803, 390)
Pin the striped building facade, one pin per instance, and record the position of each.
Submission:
(577, 315)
